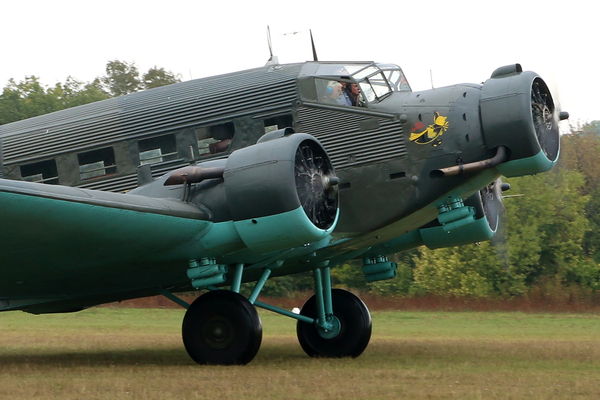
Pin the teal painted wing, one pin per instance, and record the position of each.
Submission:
(56, 239)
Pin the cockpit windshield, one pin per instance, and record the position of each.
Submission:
(356, 84)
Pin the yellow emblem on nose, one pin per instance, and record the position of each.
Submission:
(432, 132)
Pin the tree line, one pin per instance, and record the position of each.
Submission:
(549, 241)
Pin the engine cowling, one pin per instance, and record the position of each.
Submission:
(518, 112)
(281, 192)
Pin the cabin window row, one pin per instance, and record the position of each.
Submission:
(210, 140)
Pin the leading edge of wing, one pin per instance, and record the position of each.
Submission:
(162, 206)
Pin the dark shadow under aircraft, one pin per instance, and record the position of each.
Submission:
(220, 190)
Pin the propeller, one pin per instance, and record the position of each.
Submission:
(495, 206)
(316, 184)
(547, 114)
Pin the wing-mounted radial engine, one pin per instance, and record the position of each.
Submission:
(484, 209)
(277, 194)
(475, 219)
(281, 192)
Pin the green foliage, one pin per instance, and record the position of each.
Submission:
(349, 275)
(27, 99)
(472, 270)
(581, 152)
(77, 93)
(124, 78)
(121, 78)
(547, 224)
(282, 286)
(156, 77)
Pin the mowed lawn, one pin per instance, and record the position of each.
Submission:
(120, 353)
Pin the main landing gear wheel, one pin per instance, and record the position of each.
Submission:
(351, 322)
(222, 327)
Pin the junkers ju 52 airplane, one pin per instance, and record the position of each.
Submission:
(222, 190)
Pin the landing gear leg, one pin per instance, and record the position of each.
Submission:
(342, 325)
(222, 327)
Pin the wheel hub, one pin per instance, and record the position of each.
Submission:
(218, 333)
(330, 329)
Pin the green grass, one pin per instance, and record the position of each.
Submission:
(106, 353)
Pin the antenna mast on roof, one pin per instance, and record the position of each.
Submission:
(273, 59)
(314, 49)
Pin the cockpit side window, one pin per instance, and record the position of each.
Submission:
(373, 82)
(375, 87)
(397, 80)
(339, 92)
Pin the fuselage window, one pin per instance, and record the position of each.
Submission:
(97, 163)
(280, 122)
(215, 139)
(43, 172)
(157, 149)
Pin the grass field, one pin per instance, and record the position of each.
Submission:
(107, 353)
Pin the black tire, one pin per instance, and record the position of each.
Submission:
(222, 328)
(355, 327)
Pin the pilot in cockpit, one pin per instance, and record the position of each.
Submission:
(353, 93)
(333, 93)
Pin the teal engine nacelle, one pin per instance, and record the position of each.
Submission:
(518, 112)
(281, 192)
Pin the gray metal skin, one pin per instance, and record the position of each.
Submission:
(385, 178)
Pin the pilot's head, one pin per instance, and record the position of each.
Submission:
(334, 89)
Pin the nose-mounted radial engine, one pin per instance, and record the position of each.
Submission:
(278, 193)
(517, 123)
(518, 112)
